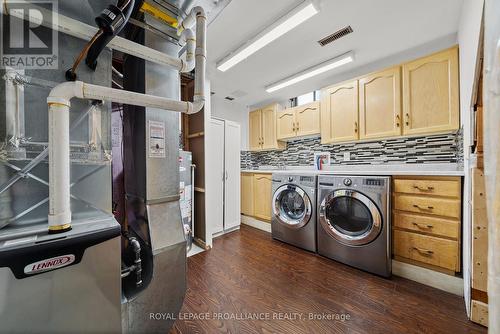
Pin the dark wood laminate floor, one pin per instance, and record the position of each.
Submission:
(249, 275)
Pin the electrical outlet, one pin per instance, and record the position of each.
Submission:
(347, 156)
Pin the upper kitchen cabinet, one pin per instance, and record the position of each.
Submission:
(262, 129)
(285, 122)
(339, 113)
(255, 129)
(380, 104)
(301, 121)
(307, 119)
(430, 93)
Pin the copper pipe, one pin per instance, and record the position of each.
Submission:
(85, 50)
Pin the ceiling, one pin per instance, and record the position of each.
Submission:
(381, 28)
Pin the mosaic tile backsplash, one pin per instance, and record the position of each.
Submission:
(446, 148)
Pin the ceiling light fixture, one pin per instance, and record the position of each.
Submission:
(328, 65)
(295, 17)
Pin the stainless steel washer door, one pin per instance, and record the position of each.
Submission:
(350, 217)
(291, 206)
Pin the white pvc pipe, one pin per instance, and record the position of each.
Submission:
(11, 105)
(59, 168)
(86, 32)
(201, 58)
(59, 105)
(59, 163)
(94, 92)
(188, 39)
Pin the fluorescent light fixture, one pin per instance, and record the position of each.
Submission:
(328, 65)
(295, 17)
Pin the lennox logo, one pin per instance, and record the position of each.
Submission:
(26, 42)
(49, 264)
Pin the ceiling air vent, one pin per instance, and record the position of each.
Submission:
(336, 35)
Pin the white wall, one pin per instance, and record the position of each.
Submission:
(232, 111)
(468, 38)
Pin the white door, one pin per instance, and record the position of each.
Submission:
(215, 165)
(232, 185)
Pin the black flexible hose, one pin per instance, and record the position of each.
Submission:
(110, 28)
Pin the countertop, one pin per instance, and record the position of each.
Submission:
(406, 169)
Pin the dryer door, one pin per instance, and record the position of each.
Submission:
(350, 217)
(291, 206)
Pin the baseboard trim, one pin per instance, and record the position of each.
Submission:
(429, 277)
(259, 224)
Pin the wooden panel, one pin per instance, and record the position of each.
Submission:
(269, 128)
(285, 124)
(479, 232)
(262, 196)
(479, 313)
(479, 295)
(380, 104)
(479, 130)
(255, 129)
(269, 141)
(200, 229)
(427, 225)
(325, 119)
(428, 205)
(450, 187)
(435, 251)
(430, 93)
(247, 194)
(342, 106)
(307, 119)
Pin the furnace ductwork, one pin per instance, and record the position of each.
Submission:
(59, 106)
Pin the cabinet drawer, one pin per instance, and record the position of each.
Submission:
(450, 188)
(424, 224)
(428, 205)
(431, 250)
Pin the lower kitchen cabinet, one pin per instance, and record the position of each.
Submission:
(262, 184)
(247, 194)
(426, 222)
(256, 195)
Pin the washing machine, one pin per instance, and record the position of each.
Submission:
(354, 221)
(293, 210)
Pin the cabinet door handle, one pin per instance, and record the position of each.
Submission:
(309, 108)
(397, 121)
(429, 188)
(293, 127)
(297, 127)
(423, 251)
(423, 226)
(355, 126)
(407, 115)
(421, 208)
